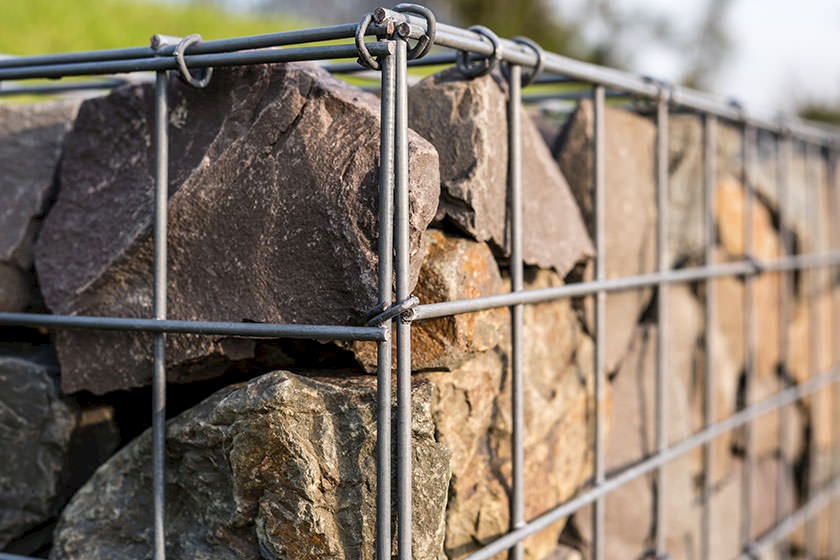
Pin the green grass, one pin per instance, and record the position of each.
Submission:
(49, 26)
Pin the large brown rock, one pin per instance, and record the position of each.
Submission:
(272, 213)
(42, 434)
(466, 120)
(472, 418)
(630, 208)
(453, 268)
(280, 467)
(30, 146)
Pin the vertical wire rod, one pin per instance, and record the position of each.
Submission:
(783, 164)
(385, 281)
(812, 186)
(663, 265)
(517, 502)
(834, 237)
(161, 151)
(834, 508)
(404, 446)
(709, 183)
(747, 143)
(600, 319)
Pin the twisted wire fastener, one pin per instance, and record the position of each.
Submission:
(424, 43)
(400, 308)
(206, 73)
(482, 66)
(528, 79)
(365, 58)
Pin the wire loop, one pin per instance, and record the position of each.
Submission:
(530, 78)
(483, 66)
(424, 43)
(206, 73)
(365, 58)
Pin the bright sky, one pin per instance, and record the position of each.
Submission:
(784, 51)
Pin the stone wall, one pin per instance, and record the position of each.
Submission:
(272, 210)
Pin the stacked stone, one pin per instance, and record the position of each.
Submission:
(273, 218)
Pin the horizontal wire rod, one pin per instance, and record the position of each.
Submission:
(238, 50)
(748, 414)
(682, 275)
(90, 68)
(248, 42)
(463, 39)
(255, 330)
(789, 524)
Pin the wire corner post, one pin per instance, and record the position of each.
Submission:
(385, 282)
(161, 151)
(403, 278)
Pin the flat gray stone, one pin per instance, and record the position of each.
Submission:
(272, 215)
(50, 444)
(31, 136)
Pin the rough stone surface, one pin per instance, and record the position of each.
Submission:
(453, 268)
(730, 204)
(51, 445)
(686, 229)
(472, 418)
(629, 207)
(272, 213)
(30, 146)
(280, 467)
(629, 510)
(35, 430)
(466, 120)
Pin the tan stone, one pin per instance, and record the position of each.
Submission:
(472, 417)
(686, 229)
(629, 521)
(730, 204)
(630, 210)
(765, 431)
(453, 268)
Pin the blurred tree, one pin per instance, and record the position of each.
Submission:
(708, 46)
(820, 111)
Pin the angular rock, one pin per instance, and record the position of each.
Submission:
(31, 136)
(629, 207)
(686, 229)
(472, 418)
(272, 214)
(51, 446)
(279, 467)
(629, 510)
(730, 204)
(453, 268)
(466, 120)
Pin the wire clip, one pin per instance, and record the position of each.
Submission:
(482, 66)
(206, 73)
(530, 78)
(424, 43)
(400, 308)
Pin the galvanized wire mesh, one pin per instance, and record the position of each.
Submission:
(393, 30)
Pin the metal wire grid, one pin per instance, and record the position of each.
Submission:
(393, 29)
